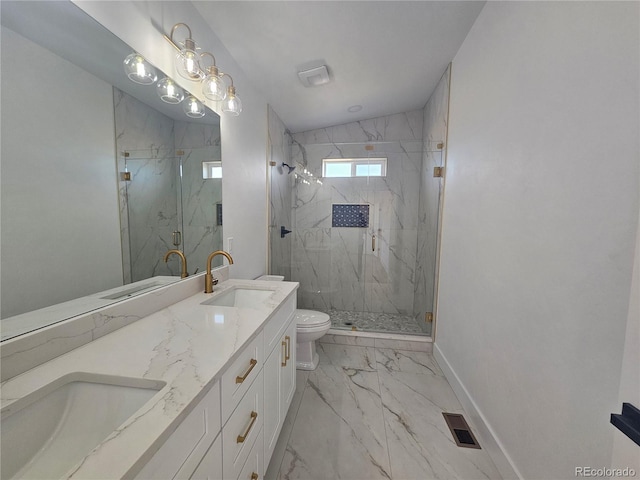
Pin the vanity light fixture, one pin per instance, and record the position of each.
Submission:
(189, 66)
(169, 91)
(232, 103)
(212, 85)
(139, 70)
(187, 60)
(193, 107)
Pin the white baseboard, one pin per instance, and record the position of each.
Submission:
(488, 440)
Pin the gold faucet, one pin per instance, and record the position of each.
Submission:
(209, 281)
(184, 273)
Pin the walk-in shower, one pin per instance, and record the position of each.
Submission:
(360, 247)
(363, 217)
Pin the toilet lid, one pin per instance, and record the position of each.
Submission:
(310, 318)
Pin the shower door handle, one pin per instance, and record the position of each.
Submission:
(373, 243)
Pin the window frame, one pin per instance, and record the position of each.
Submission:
(355, 162)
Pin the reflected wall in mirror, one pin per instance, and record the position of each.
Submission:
(63, 235)
(165, 202)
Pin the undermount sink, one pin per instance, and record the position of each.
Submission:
(46, 433)
(240, 297)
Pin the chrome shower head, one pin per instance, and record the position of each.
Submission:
(291, 169)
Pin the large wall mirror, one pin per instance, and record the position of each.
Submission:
(100, 177)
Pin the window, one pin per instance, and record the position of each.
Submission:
(354, 167)
(212, 169)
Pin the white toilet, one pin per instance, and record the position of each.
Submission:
(310, 326)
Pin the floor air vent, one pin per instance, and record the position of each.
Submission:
(460, 430)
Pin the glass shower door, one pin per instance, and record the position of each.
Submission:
(149, 194)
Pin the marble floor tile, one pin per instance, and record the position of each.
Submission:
(287, 426)
(404, 345)
(374, 413)
(339, 430)
(348, 340)
(346, 356)
(420, 443)
(392, 360)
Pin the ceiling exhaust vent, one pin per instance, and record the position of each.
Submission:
(314, 77)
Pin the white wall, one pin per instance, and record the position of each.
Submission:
(625, 452)
(244, 138)
(57, 156)
(539, 225)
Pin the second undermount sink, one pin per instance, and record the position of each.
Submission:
(240, 297)
(49, 431)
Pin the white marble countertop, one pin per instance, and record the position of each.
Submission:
(187, 345)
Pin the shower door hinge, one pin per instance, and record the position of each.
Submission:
(179, 152)
(272, 163)
(125, 176)
(428, 317)
(438, 172)
(440, 146)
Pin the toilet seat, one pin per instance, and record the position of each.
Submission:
(307, 319)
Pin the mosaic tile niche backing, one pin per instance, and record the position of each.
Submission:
(345, 215)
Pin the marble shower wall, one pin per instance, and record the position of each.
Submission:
(337, 267)
(436, 116)
(198, 197)
(281, 191)
(148, 203)
(158, 201)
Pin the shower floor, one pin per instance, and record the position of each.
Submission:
(377, 322)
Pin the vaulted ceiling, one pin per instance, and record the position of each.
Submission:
(386, 56)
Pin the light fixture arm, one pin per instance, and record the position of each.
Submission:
(173, 30)
(202, 55)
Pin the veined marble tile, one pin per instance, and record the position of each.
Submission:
(287, 426)
(348, 340)
(347, 356)
(342, 435)
(404, 345)
(391, 360)
(420, 443)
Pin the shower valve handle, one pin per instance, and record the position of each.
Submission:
(283, 231)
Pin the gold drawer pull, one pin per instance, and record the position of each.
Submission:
(254, 476)
(288, 340)
(284, 362)
(252, 364)
(242, 438)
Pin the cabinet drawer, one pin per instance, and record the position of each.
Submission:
(239, 377)
(254, 466)
(183, 450)
(242, 429)
(274, 328)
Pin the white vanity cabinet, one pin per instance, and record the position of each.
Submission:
(232, 431)
(279, 372)
(184, 450)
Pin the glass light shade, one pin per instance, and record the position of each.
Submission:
(169, 92)
(213, 87)
(187, 62)
(232, 104)
(139, 70)
(193, 107)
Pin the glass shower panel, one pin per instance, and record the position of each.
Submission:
(201, 207)
(327, 258)
(150, 205)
